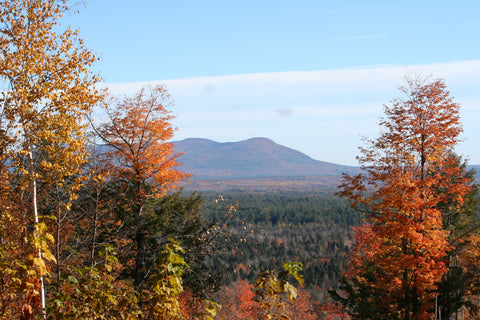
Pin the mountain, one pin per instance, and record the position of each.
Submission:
(475, 167)
(253, 158)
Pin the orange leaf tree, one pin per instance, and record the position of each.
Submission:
(137, 135)
(398, 190)
(237, 301)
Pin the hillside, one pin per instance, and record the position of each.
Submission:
(253, 158)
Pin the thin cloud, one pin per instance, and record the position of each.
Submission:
(319, 109)
(334, 77)
(284, 112)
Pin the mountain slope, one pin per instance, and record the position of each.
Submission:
(253, 158)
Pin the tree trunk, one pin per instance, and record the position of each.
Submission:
(35, 213)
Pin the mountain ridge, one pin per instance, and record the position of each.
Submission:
(252, 158)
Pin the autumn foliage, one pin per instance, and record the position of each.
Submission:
(97, 230)
(48, 89)
(138, 131)
(401, 253)
(238, 301)
(142, 160)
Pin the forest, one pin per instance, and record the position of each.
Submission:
(269, 229)
(94, 225)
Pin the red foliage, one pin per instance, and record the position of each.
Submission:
(190, 306)
(404, 242)
(237, 302)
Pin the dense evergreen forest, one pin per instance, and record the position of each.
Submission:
(269, 229)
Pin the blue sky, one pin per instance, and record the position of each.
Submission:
(311, 75)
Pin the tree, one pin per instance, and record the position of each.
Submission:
(237, 301)
(136, 134)
(48, 91)
(357, 293)
(398, 192)
(460, 219)
(469, 261)
(191, 307)
(95, 292)
(167, 284)
(303, 308)
(276, 294)
(178, 216)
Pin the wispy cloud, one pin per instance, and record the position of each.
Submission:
(284, 112)
(314, 111)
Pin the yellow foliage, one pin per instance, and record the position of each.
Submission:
(48, 92)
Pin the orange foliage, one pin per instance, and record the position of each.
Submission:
(144, 162)
(469, 258)
(403, 169)
(189, 304)
(237, 302)
(138, 132)
(192, 307)
(303, 308)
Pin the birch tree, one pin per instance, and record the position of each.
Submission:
(47, 91)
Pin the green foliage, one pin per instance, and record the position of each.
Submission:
(178, 216)
(265, 209)
(171, 216)
(362, 301)
(95, 293)
(167, 283)
(461, 219)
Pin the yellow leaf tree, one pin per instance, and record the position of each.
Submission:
(47, 92)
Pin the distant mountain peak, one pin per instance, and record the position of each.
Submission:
(252, 158)
(259, 139)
